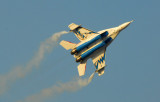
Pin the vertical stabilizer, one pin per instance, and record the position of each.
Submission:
(82, 68)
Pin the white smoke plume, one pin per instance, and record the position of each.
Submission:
(21, 71)
(55, 90)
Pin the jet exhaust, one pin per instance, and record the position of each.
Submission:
(60, 88)
(21, 71)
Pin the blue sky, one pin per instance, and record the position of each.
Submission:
(133, 69)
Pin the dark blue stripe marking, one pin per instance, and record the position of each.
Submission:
(81, 47)
(90, 51)
(100, 61)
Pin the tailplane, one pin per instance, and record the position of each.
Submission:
(67, 45)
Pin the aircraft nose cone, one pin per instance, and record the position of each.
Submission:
(131, 21)
(124, 25)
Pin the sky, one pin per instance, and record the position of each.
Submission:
(133, 70)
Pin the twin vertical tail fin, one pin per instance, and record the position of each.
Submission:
(82, 68)
(67, 45)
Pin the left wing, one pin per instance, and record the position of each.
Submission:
(80, 32)
(99, 60)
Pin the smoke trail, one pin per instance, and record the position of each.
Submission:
(55, 90)
(21, 71)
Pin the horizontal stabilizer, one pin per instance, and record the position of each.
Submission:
(73, 26)
(82, 68)
(67, 45)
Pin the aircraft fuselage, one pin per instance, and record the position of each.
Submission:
(103, 38)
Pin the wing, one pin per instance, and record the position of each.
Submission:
(80, 32)
(99, 59)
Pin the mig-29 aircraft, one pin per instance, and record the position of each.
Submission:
(92, 45)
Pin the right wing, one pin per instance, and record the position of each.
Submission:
(80, 32)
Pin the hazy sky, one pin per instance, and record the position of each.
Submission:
(133, 60)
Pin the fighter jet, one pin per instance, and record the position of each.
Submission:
(92, 45)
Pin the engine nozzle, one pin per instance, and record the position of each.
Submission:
(74, 51)
(79, 59)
